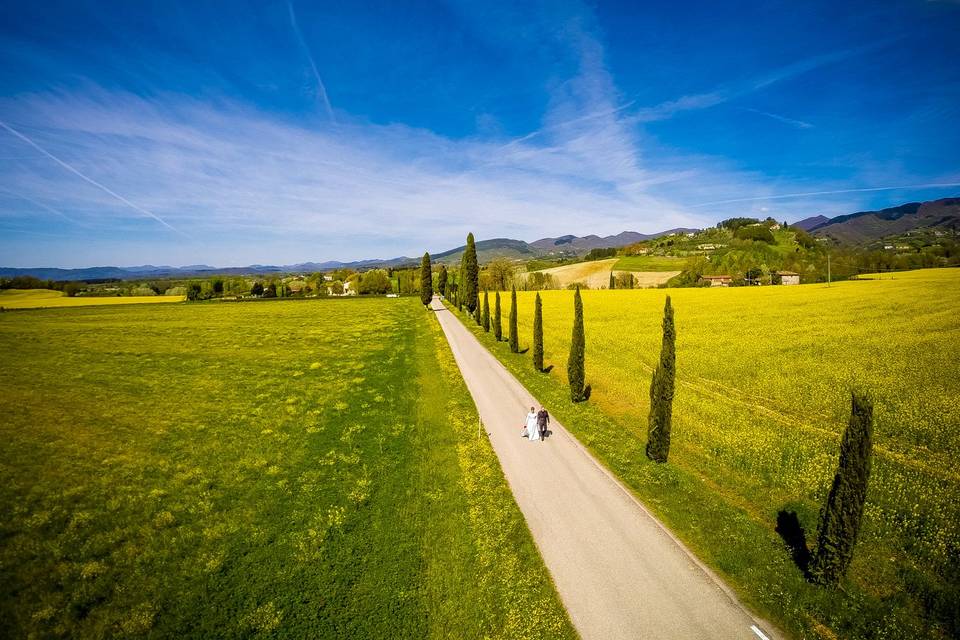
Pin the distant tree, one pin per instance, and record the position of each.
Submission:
(514, 339)
(613, 281)
(538, 334)
(193, 291)
(661, 392)
(500, 273)
(72, 288)
(575, 363)
(497, 323)
(538, 280)
(735, 223)
(270, 291)
(218, 287)
(375, 281)
(757, 233)
(842, 514)
(599, 254)
(486, 311)
(426, 280)
(470, 274)
(336, 287)
(442, 280)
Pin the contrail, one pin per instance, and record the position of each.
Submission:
(784, 196)
(40, 205)
(313, 65)
(90, 180)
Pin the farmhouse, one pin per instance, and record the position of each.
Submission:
(788, 277)
(717, 281)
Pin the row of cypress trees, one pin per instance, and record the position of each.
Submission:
(841, 515)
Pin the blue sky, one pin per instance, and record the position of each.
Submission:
(236, 133)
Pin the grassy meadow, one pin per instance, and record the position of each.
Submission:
(271, 469)
(46, 298)
(650, 263)
(763, 383)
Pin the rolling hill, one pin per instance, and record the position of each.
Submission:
(865, 227)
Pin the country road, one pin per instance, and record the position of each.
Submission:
(618, 571)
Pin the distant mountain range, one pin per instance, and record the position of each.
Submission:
(486, 251)
(859, 228)
(864, 227)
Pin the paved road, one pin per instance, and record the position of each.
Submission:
(619, 573)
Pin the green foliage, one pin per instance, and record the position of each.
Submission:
(736, 223)
(661, 392)
(256, 289)
(470, 274)
(269, 292)
(497, 323)
(193, 291)
(426, 280)
(200, 477)
(486, 311)
(375, 281)
(613, 281)
(478, 315)
(442, 280)
(576, 375)
(600, 254)
(539, 281)
(514, 338)
(499, 274)
(843, 512)
(538, 334)
(757, 233)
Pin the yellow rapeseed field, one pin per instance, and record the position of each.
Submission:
(42, 298)
(763, 385)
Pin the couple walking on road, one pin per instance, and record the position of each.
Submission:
(536, 425)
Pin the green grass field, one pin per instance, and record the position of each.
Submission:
(764, 375)
(649, 263)
(278, 469)
(45, 298)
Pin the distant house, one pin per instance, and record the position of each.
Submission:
(706, 247)
(327, 278)
(788, 277)
(717, 281)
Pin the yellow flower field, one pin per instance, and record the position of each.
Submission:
(763, 386)
(43, 298)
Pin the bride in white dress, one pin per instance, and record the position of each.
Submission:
(533, 431)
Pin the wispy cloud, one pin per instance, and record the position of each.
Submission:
(87, 178)
(799, 124)
(808, 194)
(321, 88)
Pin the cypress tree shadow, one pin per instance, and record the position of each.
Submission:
(793, 535)
(522, 351)
(587, 390)
(547, 369)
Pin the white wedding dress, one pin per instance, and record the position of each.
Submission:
(533, 431)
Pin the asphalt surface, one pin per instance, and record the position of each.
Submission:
(618, 571)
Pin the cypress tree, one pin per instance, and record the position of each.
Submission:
(613, 282)
(538, 334)
(497, 324)
(514, 340)
(478, 315)
(442, 280)
(426, 280)
(486, 312)
(661, 392)
(470, 275)
(841, 515)
(575, 363)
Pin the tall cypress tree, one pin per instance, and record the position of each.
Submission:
(661, 392)
(538, 334)
(470, 275)
(575, 362)
(486, 312)
(841, 515)
(514, 340)
(478, 315)
(442, 280)
(426, 280)
(662, 385)
(613, 281)
(497, 324)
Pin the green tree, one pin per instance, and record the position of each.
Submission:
(442, 280)
(218, 287)
(661, 392)
(514, 340)
(470, 275)
(478, 315)
(270, 291)
(497, 324)
(256, 289)
(613, 282)
(575, 363)
(193, 291)
(842, 514)
(426, 280)
(538, 334)
(486, 312)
